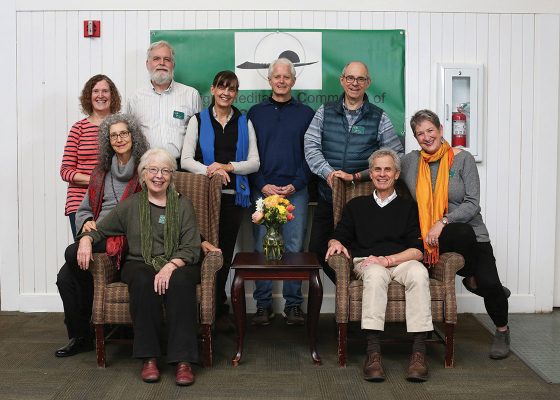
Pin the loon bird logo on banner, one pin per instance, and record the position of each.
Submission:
(255, 50)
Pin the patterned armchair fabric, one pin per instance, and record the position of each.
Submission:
(349, 288)
(110, 300)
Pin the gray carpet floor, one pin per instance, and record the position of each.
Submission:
(534, 339)
(276, 365)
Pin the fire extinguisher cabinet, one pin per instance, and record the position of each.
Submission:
(459, 105)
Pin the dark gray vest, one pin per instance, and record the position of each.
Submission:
(348, 148)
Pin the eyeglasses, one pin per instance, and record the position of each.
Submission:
(123, 135)
(154, 171)
(351, 79)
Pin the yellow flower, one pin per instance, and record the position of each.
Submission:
(274, 209)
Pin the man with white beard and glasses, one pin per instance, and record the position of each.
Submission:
(165, 106)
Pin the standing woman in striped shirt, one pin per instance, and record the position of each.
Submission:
(99, 99)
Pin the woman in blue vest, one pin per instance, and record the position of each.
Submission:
(220, 140)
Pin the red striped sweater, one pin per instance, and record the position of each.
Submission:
(80, 155)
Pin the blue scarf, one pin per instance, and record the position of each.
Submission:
(207, 137)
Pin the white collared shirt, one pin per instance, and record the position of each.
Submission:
(382, 203)
(164, 116)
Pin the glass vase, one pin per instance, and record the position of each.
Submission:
(273, 243)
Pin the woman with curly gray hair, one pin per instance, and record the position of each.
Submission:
(121, 146)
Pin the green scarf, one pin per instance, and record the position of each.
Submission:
(170, 232)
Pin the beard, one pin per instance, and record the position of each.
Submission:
(161, 77)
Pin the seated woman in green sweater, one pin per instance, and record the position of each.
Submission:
(161, 266)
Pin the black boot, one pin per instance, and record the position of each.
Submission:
(75, 346)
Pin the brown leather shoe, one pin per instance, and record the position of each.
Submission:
(417, 368)
(184, 375)
(150, 371)
(373, 368)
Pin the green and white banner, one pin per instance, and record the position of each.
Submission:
(319, 56)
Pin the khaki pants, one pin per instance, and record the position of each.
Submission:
(413, 275)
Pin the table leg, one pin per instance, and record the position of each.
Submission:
(313, 309)
(239, 311)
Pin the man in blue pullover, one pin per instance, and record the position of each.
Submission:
(338, 142)
(280, 123)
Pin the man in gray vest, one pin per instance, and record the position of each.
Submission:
(338, 142)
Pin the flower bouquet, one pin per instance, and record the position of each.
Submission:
(272, 212)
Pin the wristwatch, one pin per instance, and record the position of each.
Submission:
(444, 221)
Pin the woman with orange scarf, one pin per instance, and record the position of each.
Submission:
(445, 183)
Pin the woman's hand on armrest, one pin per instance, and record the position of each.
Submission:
(207, 247)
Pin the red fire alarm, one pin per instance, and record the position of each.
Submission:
(92, 28)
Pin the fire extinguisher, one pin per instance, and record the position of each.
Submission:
(459, 135)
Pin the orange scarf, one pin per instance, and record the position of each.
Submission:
(433, 205)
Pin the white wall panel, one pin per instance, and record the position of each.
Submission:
(526, 270)
(60, 102)
(52, 151)
(503, 144)
(545, 142)
(25, 169)
(514, 167)
(54, 61)
(482, 58)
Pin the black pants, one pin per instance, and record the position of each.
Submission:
(321, 232)
(76, 291)
(147, 312)
(480, 263)
(230, 222)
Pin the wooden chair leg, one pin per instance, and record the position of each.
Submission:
(449, 345)
(342, 337)
(100, 345)
(206, 345)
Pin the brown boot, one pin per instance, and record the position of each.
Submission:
(373, 368)
(418, 367)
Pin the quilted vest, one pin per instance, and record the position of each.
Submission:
(348, 148)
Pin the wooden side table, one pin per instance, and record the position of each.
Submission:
(293, 266)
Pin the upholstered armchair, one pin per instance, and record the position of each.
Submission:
(111, 300)
(349, 287)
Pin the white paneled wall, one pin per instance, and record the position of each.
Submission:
(520, 57)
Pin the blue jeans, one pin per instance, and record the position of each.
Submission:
(72, 218)
(294, 235)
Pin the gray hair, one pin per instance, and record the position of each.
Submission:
(359, 62)
(158, 154)
(282, 61)
(383, 152)
(139, 142)
(161, 43)
(421, 116)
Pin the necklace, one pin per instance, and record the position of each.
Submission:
(113, 186)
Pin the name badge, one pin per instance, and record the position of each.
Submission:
(451, 173)
(358, 130)
(161, 219)
(178, 115)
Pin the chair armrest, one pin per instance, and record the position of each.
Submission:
(447, 267)
(211, 264)
(103, 272)
(341, 266)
